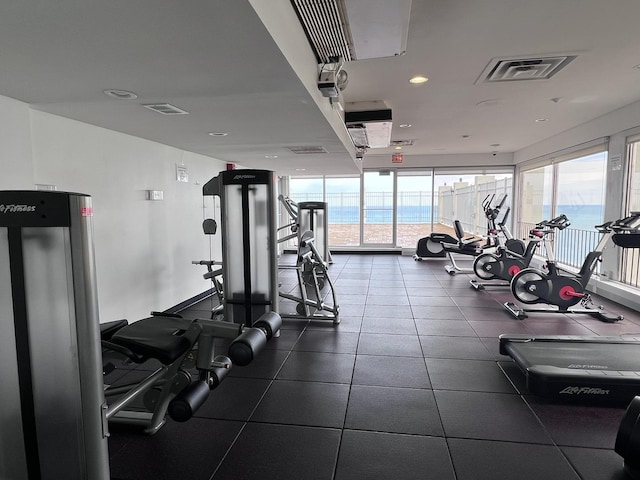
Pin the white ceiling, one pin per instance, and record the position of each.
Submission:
(217, 60)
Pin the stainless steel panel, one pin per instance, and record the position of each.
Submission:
(12, 457)
(88, 339)
(54, 351)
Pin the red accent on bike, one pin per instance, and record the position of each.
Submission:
(514, 270)
(568, 292)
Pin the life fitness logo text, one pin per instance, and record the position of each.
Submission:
(583, 391)
(17, 208)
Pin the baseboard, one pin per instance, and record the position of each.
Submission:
(616, 292)
(190, 301)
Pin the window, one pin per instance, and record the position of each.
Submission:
(415, 202)
(343, 201)
(574, 185)
(306, 189)
(377, 209)
(396, 208)
(630, 258)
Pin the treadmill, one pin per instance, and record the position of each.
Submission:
(582, 368)
(577, 368)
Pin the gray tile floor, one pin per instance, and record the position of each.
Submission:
(410, 385)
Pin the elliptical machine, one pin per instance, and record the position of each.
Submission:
(561, 288)
(506, 263)
(440, 245)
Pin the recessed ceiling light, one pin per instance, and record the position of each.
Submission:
(466, 137)
(418, 79)
(271, 156)
(405, 125)
(540, 120)
(494, 145)
(398, 148)
(120, 94)
(300, 169)
(218, 134)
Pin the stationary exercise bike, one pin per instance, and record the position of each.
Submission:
(562, 288)
(506, 263)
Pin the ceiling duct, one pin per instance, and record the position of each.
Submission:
(307, 150)
(369, 128)
(355, 29)
(520, 69)
(324, 22)
(402, 143)
(166, 109)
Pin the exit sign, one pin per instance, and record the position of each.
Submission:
(397, 158)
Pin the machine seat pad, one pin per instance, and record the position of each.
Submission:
(156, 337)
(463, 249)
(109, 328)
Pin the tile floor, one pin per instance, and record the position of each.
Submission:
(410, 385)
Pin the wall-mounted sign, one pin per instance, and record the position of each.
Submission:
(397, 158)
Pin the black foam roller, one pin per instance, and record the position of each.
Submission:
(246, 346)
(188, 401)
(270, 322)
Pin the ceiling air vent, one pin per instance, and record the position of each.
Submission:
(166, 109)
(402, 143)
(521, 69)
(355, 29)
(307, 150)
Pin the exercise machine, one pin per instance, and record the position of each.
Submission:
(311, 274)
(469, 246)
(439, 245)
(583, 368)
(312, 216)
(249, 242)
(214, 273)
(179, 345)
(53, 423)
(505, 264)
(577, 368)
(292, 209)
(563, 289)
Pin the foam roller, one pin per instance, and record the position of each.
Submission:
(188, 401)
(246, 346)
(270, 322)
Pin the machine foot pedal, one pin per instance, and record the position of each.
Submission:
(519, 313)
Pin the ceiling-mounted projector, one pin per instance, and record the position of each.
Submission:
(332, 79)
(369, 128)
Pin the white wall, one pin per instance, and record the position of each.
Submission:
(16, 168)
(607, 125)
(143, 248)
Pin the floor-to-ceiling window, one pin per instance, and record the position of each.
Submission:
(395, 208)
(342, 195)
(415, 206)
(573, 185)
(377, 208)
(630, 258)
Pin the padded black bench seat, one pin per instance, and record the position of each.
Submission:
(156, 337)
